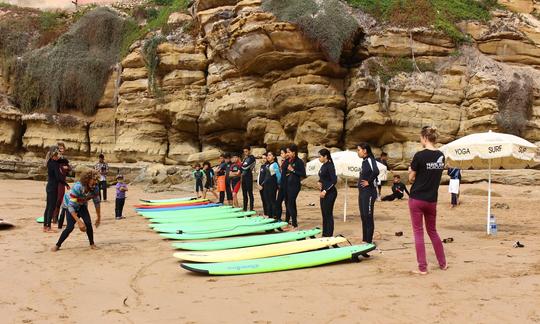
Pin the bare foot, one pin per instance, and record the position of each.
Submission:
(45, 230)
(445, 267)
(418, 272)
(94, 247)
(55, 248)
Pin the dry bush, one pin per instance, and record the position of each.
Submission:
(72, 72)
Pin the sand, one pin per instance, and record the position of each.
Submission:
(133, 278)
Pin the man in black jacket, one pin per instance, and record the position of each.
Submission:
(398, 190)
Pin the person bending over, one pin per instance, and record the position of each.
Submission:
(76, 201)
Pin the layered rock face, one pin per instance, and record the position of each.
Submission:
(247, 78)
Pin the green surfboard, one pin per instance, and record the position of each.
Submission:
(189, 212)
(237, 231)
(248, 241)
(206, 228)
(199, 218)
(207, 222)
(281, 263)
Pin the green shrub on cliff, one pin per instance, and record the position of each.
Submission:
(326, 22)
(441, 14)
(72, 72)
(155, 21)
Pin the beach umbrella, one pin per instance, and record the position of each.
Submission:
(489, 151)
(348, 165)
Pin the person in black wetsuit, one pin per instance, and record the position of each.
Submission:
(227, 169)
(281, 188)
(328, 194)
(367, 190)
(270, 184)
(54, 179)
(296, 170)
(260, 180)
(198, 175)
(248, 164)
(398, 190)
(210, 183)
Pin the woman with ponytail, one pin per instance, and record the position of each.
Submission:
(367, 190)
(425, 174)
(328, 195)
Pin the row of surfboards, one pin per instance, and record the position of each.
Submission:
(211, 239)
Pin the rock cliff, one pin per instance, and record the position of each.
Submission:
(244, 77)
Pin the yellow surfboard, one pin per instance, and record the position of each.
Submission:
(257, 252)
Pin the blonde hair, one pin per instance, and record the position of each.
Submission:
(430, 133)
(53, 151)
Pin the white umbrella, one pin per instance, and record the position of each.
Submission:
(348, 165)
(490, 150)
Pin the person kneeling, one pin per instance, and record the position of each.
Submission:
(76, 201)
(398, 190)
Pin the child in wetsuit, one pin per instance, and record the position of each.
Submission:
(235, 176)
(198, 175)
(398, 190)
(121, 188)
(210, 183)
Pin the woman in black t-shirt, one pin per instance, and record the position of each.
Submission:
(425, 174)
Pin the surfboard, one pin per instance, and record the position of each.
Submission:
(199, 218)
(157, 210)
(215, 234)
(186, 204)
(168, 203)
(189, 212)
(257, 252)
(166, 200)
(281, 263)
(206, 228)
(255, 240)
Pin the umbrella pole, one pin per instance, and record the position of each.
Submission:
(345, 204)
(489, 198)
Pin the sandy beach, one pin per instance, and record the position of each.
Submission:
(133, 278)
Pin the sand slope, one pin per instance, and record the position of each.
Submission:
(135, 279)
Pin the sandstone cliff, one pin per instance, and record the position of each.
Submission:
(246, 78)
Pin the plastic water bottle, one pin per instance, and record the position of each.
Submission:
(492, 225)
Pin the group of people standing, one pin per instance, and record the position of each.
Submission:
(279, 180)
(71, 203)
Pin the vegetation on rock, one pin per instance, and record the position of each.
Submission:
(326, 22)
(156, 20)
(441, 14)
(151, 60)
(388, 67)
(72, 72)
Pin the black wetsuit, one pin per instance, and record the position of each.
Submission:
(281, 192)
(247, 181)
(398, 192)
(54, 179)
(209, 174)
(228, 191)
(293, 183)
(270, 187)
(328, 180)
(367, 196)
(260, 182)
